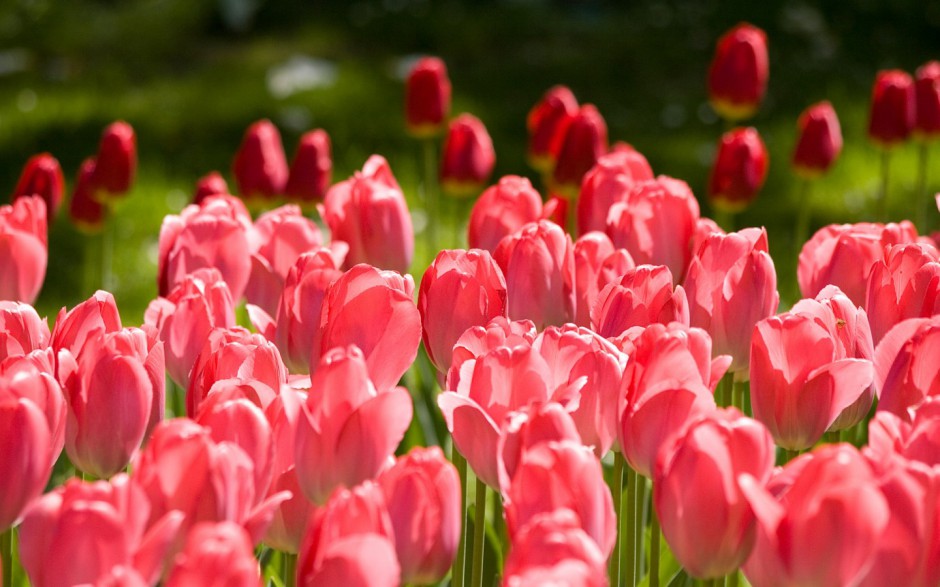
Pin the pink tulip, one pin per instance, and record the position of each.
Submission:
(562, 475)
(31, 377)
(705, 518)
(349, 426)
(584, 142)
(212, 234)
(656, 223)
(278, 238)
(422, 493)
(553, 549)
(501, 210)
(731, 284)
(350, 542)
(96, 315)
(24, 249)
(25, 464)
(843, 255)
(479, 340)
(215, 554)
(538, 263)
(311, 169)
(42, 176)
(211, 184)
(460, 289)
(82, 533)
(467, 159)
(233, 352)
(905, 284)
(260, 165)
(21, 330)
(547, 123)
(374, 311)
(824, 527)
(641, 297)
(526, 428)
(116, 162)
(596, 264)
(368, 212)
(607, 183)
(915, 439)
(905, 374)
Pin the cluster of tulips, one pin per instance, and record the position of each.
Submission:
(606, 386)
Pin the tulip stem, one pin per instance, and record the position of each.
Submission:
(479, 532)
(737, 394)
(6, 556)
(920, 192)
(732, 579)
(457, 571)
(640, 527)
(654, 549)
(616, 484)
(290, 569)
(802, 222)
(430, 195)
(881, 205)
(627, 545)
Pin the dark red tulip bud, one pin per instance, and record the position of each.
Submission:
(42, 176)
(260, 165)
(468, 158)
(311, 169)
(211, 184)
(427, 98)
(892, 108)
(583, 144)
(547, 122)
(820, 141)
(116, 162)
(927, 91)
(740, 170)
(737, 79)
(87, 214)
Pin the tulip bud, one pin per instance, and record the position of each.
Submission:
(260, 166)
(211, 184)
(739, 170)
(25, 249)
(42, 176)
(607, 183)
(311, 169)
(468, 157)
(25, 446)
(87, 214)
(927, 91)
(73, 328)
(501, 210)
(737, 78)
(584, 142)
(641, 297)
(427, 98)
(819, 143)
(547, 123)
(892, 108)
(115, 163)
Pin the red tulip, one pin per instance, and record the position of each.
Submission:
(904, 375)
(42, 176)
(501, 210)
(21, 330)
(211, 184)
(25, 449)
(731, 284)
(739, 170)
(368, 212)
(24, 249)
(212, 234)
(819, 142)
(927, 94)
(538, 263)
(893, 105)
(348, 427)
(115, 163)
(547, 123)
(422, 493)
(87, 214)
(905, 284)
(427, 98)
(737, 78)
(260, 165)
(460, 289)
(215, 554)
(583, 143)
(656, 223)
(843, 255)
(706, 520)
(468, 158)
(641, 297)
(824, 527)
(311, 169)
(82, 533)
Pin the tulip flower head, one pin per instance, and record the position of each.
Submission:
(927, 92)
(739, 170)
(468, 158)
(311, 169)
(260, 165)
(584, 142)
(501, 210)
(737, 78)
(24, 249)
(607, 183)
(427, 98)
(211, 184)
(86, 213)
(547, 123)
(893, 104)
(819, 142)
(215, 553)
(42, 176)
(115, 163)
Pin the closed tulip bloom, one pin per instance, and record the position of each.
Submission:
(739, 170)
(737, 78)
(706, 520)
(427, 98)
(311, 169)
(824, 527)
(526, 428)
(538, 263)
(260, 165)
(731, 284)
(501, 210)
(591, 250)
(547, 123)
(460, 289)
(422, 493)
(21, 330)
(25, 448)
(927, 93)
(215, 554)
(479, 340)
(819, 142)
(348, 426)
(904, 376)
(843, 255)
(905, 284)
(211, 184)
(87, 214)
(893, 105)
(116, 162)
(656, 223)
(913, 436)
(468, 158)
(42, 176)
(584, 142)
(368, 212)
(641, 297)
(107, 523)
(607, 183)
(24, 249)
(32, 377)
(96, 315)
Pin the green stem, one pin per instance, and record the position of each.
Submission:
(654, 549)
(640, 527)
(6, 556)
(732, 579)
(290, 569)
(737, 394)
(628, 547)
(802, 222)
(723, 219)
(616, 485)
(430, 195)
(457, 572)
(789, 455)
(479, 532)
(831, 437)
(881, 211)
(920, 192)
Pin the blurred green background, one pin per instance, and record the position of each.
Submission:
(190, 76)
